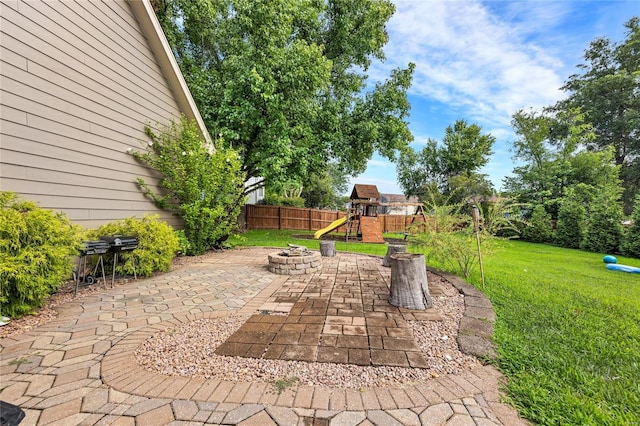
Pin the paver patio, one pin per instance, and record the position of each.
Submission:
(341, 315)
(81, 368)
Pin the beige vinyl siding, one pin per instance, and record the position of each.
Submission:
(78, 82)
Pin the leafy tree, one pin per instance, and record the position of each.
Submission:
(552, 148)
(450, 166)
(539, 228)
(201, 184)
(631, 242)
(325, 189)
(571, 221)
(603, 233)
(606, 90)
(283, 81)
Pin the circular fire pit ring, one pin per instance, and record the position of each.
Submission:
(284, 263)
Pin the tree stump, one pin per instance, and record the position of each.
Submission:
(328, 248)
(409, 287)
(392, 249)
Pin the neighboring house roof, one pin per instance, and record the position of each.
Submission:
(143, 11)
(398, 199)
(362, 192)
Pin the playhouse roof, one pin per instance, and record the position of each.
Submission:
(361, 192)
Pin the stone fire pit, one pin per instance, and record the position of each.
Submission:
(295, 260)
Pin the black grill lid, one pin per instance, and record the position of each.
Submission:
(121, 242)
(94, 247)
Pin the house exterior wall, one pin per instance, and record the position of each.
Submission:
(78, 82)
(257, 195)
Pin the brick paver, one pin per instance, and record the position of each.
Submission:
(80, 368)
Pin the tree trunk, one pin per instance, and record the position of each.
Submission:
(393, 249)
(328, 248)
(409, 287)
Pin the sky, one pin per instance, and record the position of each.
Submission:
(482, 61)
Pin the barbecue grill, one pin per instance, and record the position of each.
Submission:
(117, 244)
(90, 248)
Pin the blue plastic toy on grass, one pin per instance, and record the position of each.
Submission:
(623, 268)
(611, 262)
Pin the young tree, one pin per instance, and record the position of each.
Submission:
(572, 217)
(606, 90)
(603, 233)
(201, 184)
(631, 242)
(555, 161)
(450, 166)
(324, 190)
(539, 228)
(283, 81)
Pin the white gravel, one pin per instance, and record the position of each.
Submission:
(188, 351)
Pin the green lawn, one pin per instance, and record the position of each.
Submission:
(280, 238)
(568, 329)
(568, 334)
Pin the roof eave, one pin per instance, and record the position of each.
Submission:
(143, 11)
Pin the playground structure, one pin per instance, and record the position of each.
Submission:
(362, 221)
(362, 217)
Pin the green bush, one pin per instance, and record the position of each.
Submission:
(571, 223)
(631, 242)
(539, 228)
(157, 244)
(203, 184)
(604, 227)
(184, 246)
(277, 200)
(448, 238)
(36, 248)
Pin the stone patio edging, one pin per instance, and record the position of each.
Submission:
(476, 326)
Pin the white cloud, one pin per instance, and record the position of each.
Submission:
(471, 59)
(379, 163)
(484, 60)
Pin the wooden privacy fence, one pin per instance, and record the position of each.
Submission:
(259, 216)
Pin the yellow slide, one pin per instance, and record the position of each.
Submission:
(334, 225)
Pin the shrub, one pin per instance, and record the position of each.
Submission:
(604, 228)
(447, 238)
(631, 242)
(36, 246)
(456, 251)
(157, 244)
(277, 200)
(539, 228)
(571, 223)
(184, 246)
(205, 181)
